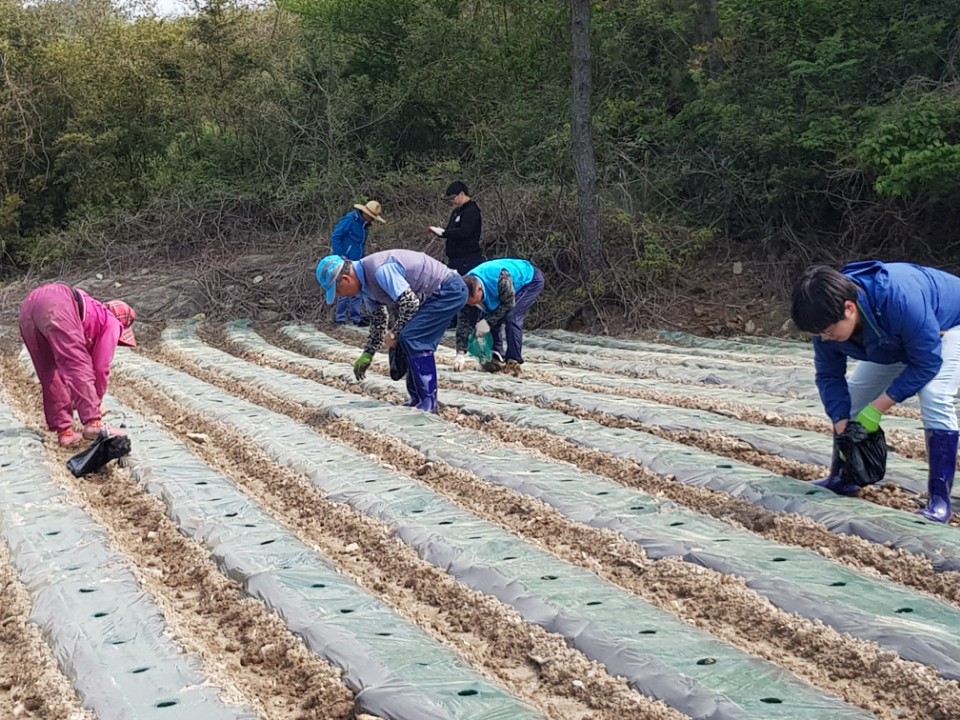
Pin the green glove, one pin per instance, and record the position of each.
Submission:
(870, 418)
(361, 365)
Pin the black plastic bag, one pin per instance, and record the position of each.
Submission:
(864, 455)
(104, 449)
(398, 363)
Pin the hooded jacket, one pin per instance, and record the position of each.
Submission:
(903, 308)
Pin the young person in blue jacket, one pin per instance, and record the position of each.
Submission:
(501, 292)
(902, 322)
(349, 240)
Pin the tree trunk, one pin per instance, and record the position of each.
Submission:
(706, 31)
(584, 162)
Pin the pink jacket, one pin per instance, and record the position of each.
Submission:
(72, 357)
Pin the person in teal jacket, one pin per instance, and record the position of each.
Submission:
(902, 322)
(500, 292)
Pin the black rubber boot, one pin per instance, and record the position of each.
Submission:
(833, 482)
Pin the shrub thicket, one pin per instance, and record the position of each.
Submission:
(790, 129)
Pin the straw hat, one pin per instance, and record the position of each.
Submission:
(371, 210)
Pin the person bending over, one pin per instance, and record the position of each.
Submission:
(902, 322)
(71, 338)
(413, 294)
(501, 292)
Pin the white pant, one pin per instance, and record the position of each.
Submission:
(869, 380)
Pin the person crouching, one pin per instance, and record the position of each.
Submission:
(501, 292)
(902, 322)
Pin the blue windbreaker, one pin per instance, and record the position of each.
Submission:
(904, 308)
(349, 238)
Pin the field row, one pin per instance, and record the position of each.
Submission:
(624, 531)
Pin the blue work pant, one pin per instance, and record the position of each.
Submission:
(514, 320)
(425, 329)
(348, 308)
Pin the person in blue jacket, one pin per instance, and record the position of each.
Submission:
(349, 240)
(902, 322)
(501, 292)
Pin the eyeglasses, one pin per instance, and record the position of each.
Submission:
(830, 332)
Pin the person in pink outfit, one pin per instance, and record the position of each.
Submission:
(71, 338)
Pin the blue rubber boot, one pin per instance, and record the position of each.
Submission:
(835, 483)
(423, 368)
(942, 461)
(411, 390)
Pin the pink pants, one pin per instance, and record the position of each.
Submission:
(54, 335)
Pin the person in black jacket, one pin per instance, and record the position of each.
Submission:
(462, 232)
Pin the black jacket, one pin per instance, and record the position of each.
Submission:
(463, 231)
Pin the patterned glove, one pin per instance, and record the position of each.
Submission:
(870, 418)
(361, 365)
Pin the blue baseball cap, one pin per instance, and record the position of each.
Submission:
(328, 270)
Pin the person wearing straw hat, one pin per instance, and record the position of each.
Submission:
(349, 240)
(415, 293)
(71, 338)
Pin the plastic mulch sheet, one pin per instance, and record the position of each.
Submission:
(792, 444)
(741, 353)
(749, 395)
(765, 402)
(398, 671)
(108, 637)
(743, 344)
(747, 349)
(797, 381)
(599, 619)
(795, 580)
(695, 467)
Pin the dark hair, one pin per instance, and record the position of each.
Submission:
(455, 188)
(473, 284)
(820, 297)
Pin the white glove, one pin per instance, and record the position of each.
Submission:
(438, 231)
(483, 329)
(460, 362)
